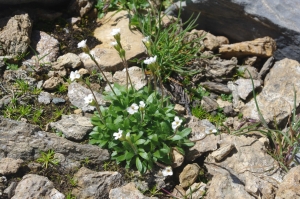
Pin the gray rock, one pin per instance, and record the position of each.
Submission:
(46, 46)
(69, 60)
(197, 190)
(66, 164)
(15, 35)
(276, 99)
(266, 67)
(4, 101)
(10, 190)
(95, 185)
(57, 100)
(209, 104)
(13, 75)
(216, 87)
(27, 141)
(200, 128)
(81, 7)
(3, 184)
(127, 191)
(76, 94)
(219, 68)
(35, 186)
(289, 187)
(244, 87)
(256, 19)
(74, 127)
(246, 69)
(9, 166)
(247, 172)
(44, 98)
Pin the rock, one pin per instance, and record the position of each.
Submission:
(81, 7)
(222, 40)
(178, 191)
(3, 184)
(276, 99)
(44, 98)
(220, 69)
(52, 83)
(67, 165)
(256, 19)
(189, 175)
(289, 187)
(35, 186)
(27, 141)
(131, 41)
(197, 190)
(229, 111)
(209, 41)
(136, 74)
(14, 75)
(209, 104)
(244, 87)
(83, 71)
(266, 67)
(127, 191)
(5, 100)
(178, 108)
(250, 60)
(74, 127)
(9, 166)
(15, 35)
(57, 100)
(10, 190)
(76, 94)
(261, 47)
(222, 152)
(216, 87)
(45, 2)
(60, 73)
(69, 60)
(247, 171)
(94, 185)
(178, 159)
(46, 46)
(246, 69)
(200, 128)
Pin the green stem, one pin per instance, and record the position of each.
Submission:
(127, 74)
(97, 104)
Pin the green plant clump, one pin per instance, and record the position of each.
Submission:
(139, 135)
(217, 119)
(48, 158)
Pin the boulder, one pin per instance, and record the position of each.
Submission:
(245, 20)
(289, 188)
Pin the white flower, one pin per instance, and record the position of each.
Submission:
(146, 39)
(74, 75)
(115, 31)
(150, 60)
(82, 44)
(118, 135)
(114, 43)
(167, 171)
(214, 131)
(142, 105)
(177, 122)
(133, 108)
(89, 99)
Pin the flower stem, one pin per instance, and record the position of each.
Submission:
(97, 104)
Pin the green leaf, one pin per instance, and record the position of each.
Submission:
(128, 155)
(144, 155)
(185, 132)
(138, 164)
(140, 141)
(150, 98)
(120, 158)
(157, 154)
(176, 137)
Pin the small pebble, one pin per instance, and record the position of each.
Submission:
(57, 100)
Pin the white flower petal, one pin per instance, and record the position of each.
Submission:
(150, 60)
(115, 31)
(167, 171)
(74, 75)
(82, 44)
(114, 43)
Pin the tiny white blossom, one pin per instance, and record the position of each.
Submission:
(114, 43)
(133, 108)
(167, 171)
(115, 31)
(118, 135)
(142, 104)
(82, 44)
(88, 99)
(74, 75)
(214, 131)
(150, 60)
(146, 39)
(177, 122)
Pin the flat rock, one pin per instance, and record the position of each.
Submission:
(76, 94)
(15, 35)
(256, 19)
(218, 68)
(127, 191)
(261, 47)
(105, 54)
(69, 60)
(216, 87)
(189, 175)
(247, 171)
(245, 88)
(276, 99)
(94, 185)
(9, 165)
(74, 127)
(44, 97)
(52, 83)
(35, 186)
(19, 140)
(289, 187)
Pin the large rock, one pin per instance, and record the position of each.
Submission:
(275, 18)
(20, 140)
(246, 172)
(15, 35)
(95, 185)
(276, 100)
(105, 54)
(289, 188)
(35, 186)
